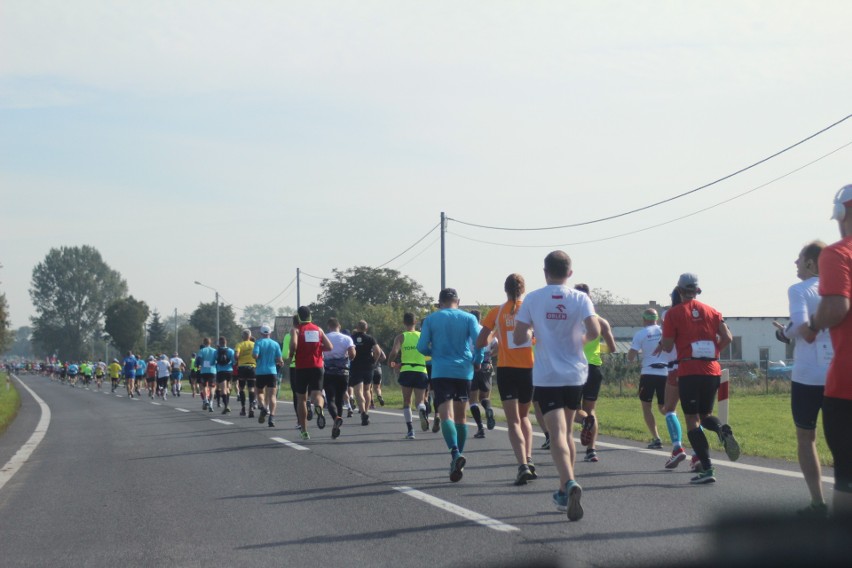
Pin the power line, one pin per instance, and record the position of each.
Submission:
(435, 240)
(667, 200)
(612, 237)
(281, 292)
(303, 273)
(411, 247)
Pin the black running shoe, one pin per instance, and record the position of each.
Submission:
(489, 418)
(335, 429)
(320, 418)
(310, 413)
(524, 475)
(479, 433)
(365, 419)
(381, 400)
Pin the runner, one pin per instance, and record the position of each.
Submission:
(448, 336)
(267, 355)
(412, 373)
(164, 371)
(308, 344)
(376, 380)
(193, 373)
(514, 374)
(141, 365)
(73, 369)
(114, 371)
(367, 354)
(563, 320)
(178, 369)
(699, 333)
(129, 365)
(225, 361)
(290, 360)
(246, 373)
(809, 372)
(206, 362)
(480, 386)
(833, 314)
(672, 397)
(336, 373)
(591, 389)
(100, 372)
(654, 373)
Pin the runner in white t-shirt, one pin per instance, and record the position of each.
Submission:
(810, 367)
(655, 369)
(563, 320)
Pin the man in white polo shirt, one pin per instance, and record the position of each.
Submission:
(564, 320)
(655, 371)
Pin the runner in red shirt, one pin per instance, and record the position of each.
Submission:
(308, 343)
(699, 333)
(835, 287)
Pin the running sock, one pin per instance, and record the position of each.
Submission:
(421, 406)
(713, 424)
(486, 404)
(461, 435)
(675, 433)
(477, 415)
(451, 437)
(428, 405)
(700, 445)
(227, 398)
(406, 413)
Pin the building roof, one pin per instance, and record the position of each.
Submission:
(626, 315)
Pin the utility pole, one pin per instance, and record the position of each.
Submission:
(217, 317)
(443, 250)
(176, 329)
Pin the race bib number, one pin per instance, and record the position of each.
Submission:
(513, 345)
(206, 364)
(825, 352)
(704, 349)
(312, 336)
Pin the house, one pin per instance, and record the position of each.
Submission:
(754, 339)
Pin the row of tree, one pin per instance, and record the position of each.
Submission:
(83, 309)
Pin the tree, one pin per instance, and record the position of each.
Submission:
(379, 296)
(285, 311)
(6, 336)
(22, 346)
(204, 320)
(125, 319)
(189, 340)
(70, 290)
(157, 334)
(602, 297)
(258, 314)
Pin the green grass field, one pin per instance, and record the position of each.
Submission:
(10, 401)
(762, 423)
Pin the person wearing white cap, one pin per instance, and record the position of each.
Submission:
(833, 314)
(699, 333)
(267, 353)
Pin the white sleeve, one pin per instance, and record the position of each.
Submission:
(637, 340)
(523, 314)
(798, 310)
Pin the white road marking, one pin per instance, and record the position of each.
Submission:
(156, 403)
(734, 465)
(120, 395)
(181, 410)
(456, 510)
(289, 444)
(24, 452)
(221, 421)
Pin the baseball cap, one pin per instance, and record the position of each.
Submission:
(687, 281)
(842, 199)
(448, 294)
(265, 329)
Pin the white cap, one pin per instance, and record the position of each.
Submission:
(265, 329)
(841, 199)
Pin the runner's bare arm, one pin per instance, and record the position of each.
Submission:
(831, 311)
(484, 337)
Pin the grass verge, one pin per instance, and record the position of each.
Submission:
(10, 401)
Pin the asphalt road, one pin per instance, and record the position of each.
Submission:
(126, 482)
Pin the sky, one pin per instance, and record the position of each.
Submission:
(233, 142)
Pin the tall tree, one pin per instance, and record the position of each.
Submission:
(379, 296)
(70, 290)
(125, 319)
(257, 314)
(22, 347)
(204, 320)
(157, 334)
(7, 338)
(285, 311)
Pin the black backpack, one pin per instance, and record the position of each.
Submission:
(222, 357)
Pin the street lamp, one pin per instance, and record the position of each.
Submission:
(217, 305)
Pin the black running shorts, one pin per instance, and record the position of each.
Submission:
(649, 385)
(481, 380)
(805, 402)
(308, 380)
(266, 381)
(413, 379)
(457, 390)
(245, 372)
(593, 383)
(698, 393)
(515, 383)
(557, 398)
(837, 423)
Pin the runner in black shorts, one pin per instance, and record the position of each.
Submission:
(377, 380)
(480, 386)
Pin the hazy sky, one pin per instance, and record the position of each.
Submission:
(232, 142)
